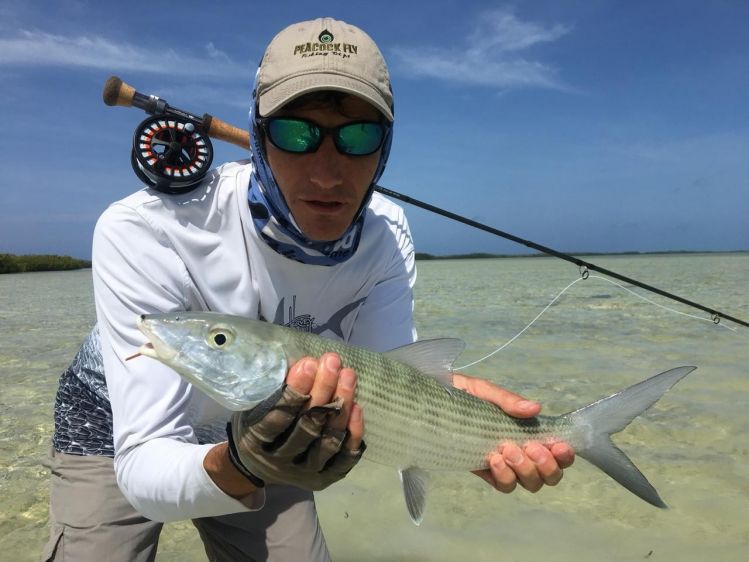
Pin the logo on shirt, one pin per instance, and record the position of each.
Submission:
(308, 323)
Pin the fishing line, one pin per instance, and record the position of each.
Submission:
(520, 333)
(584, 276)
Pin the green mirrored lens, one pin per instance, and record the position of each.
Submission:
(359, 139)
(300, 136)
(293, 135)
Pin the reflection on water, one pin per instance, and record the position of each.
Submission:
(693, 446)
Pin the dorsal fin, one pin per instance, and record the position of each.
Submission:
(434, 357)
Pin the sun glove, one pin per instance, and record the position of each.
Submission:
(281, 442)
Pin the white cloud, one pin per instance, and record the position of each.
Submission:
(41, 48)
(502, 30)
(491, 55)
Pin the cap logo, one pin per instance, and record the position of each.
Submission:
(326, 46)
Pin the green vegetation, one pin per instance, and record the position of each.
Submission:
(480, 255)
(474, 256)
(10, 263)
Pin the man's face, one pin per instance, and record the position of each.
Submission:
(324, 189)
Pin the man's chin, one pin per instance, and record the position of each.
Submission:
(325, 229)
(323, 238)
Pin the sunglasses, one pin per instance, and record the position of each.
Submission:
(302, 137)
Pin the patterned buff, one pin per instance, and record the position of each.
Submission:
(272, 217)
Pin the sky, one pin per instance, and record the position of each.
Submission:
(583, 125)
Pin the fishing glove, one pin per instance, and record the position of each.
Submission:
(279, 442)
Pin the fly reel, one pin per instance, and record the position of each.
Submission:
(170, 153)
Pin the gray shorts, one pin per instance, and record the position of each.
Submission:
(90, 520)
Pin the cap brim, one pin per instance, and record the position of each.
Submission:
(296, 86)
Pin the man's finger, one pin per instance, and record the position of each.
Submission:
(564, 454)
(345, 390)
(326, 380)
(301, 375)
(499, 475)
(355, 428)
(546, 465)
(524, 468)
(511, 403)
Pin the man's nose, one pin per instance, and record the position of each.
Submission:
(325, 166)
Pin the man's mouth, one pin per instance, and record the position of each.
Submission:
(323, 205)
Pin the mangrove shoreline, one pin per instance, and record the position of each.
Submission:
(11, 263)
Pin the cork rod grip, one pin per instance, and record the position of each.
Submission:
(222, 130)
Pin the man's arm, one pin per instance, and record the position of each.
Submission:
(159, 465)
(532, 465)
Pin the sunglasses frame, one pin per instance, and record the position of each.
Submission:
(334, 132)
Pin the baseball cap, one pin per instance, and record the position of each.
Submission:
(323, 54)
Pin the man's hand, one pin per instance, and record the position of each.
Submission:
(310, 435)
(531, 466)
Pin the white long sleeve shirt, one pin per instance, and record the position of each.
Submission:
(200, 251)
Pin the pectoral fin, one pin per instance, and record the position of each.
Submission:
(414, 482)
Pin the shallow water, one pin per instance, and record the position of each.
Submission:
(693, 445)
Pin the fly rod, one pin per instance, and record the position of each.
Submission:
(716, 314)
(172, 153)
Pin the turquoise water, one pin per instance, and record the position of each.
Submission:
(597, 339)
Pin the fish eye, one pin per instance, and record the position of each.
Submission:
(220, 336)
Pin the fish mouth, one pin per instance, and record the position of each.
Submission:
(156, 348)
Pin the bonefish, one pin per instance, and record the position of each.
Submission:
(415, 420)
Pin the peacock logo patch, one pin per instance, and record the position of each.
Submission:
(325, 46)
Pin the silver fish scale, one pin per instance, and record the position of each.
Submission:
(412, 420)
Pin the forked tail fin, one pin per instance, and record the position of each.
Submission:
(611, 415)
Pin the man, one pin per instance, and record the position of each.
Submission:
(295, 236)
